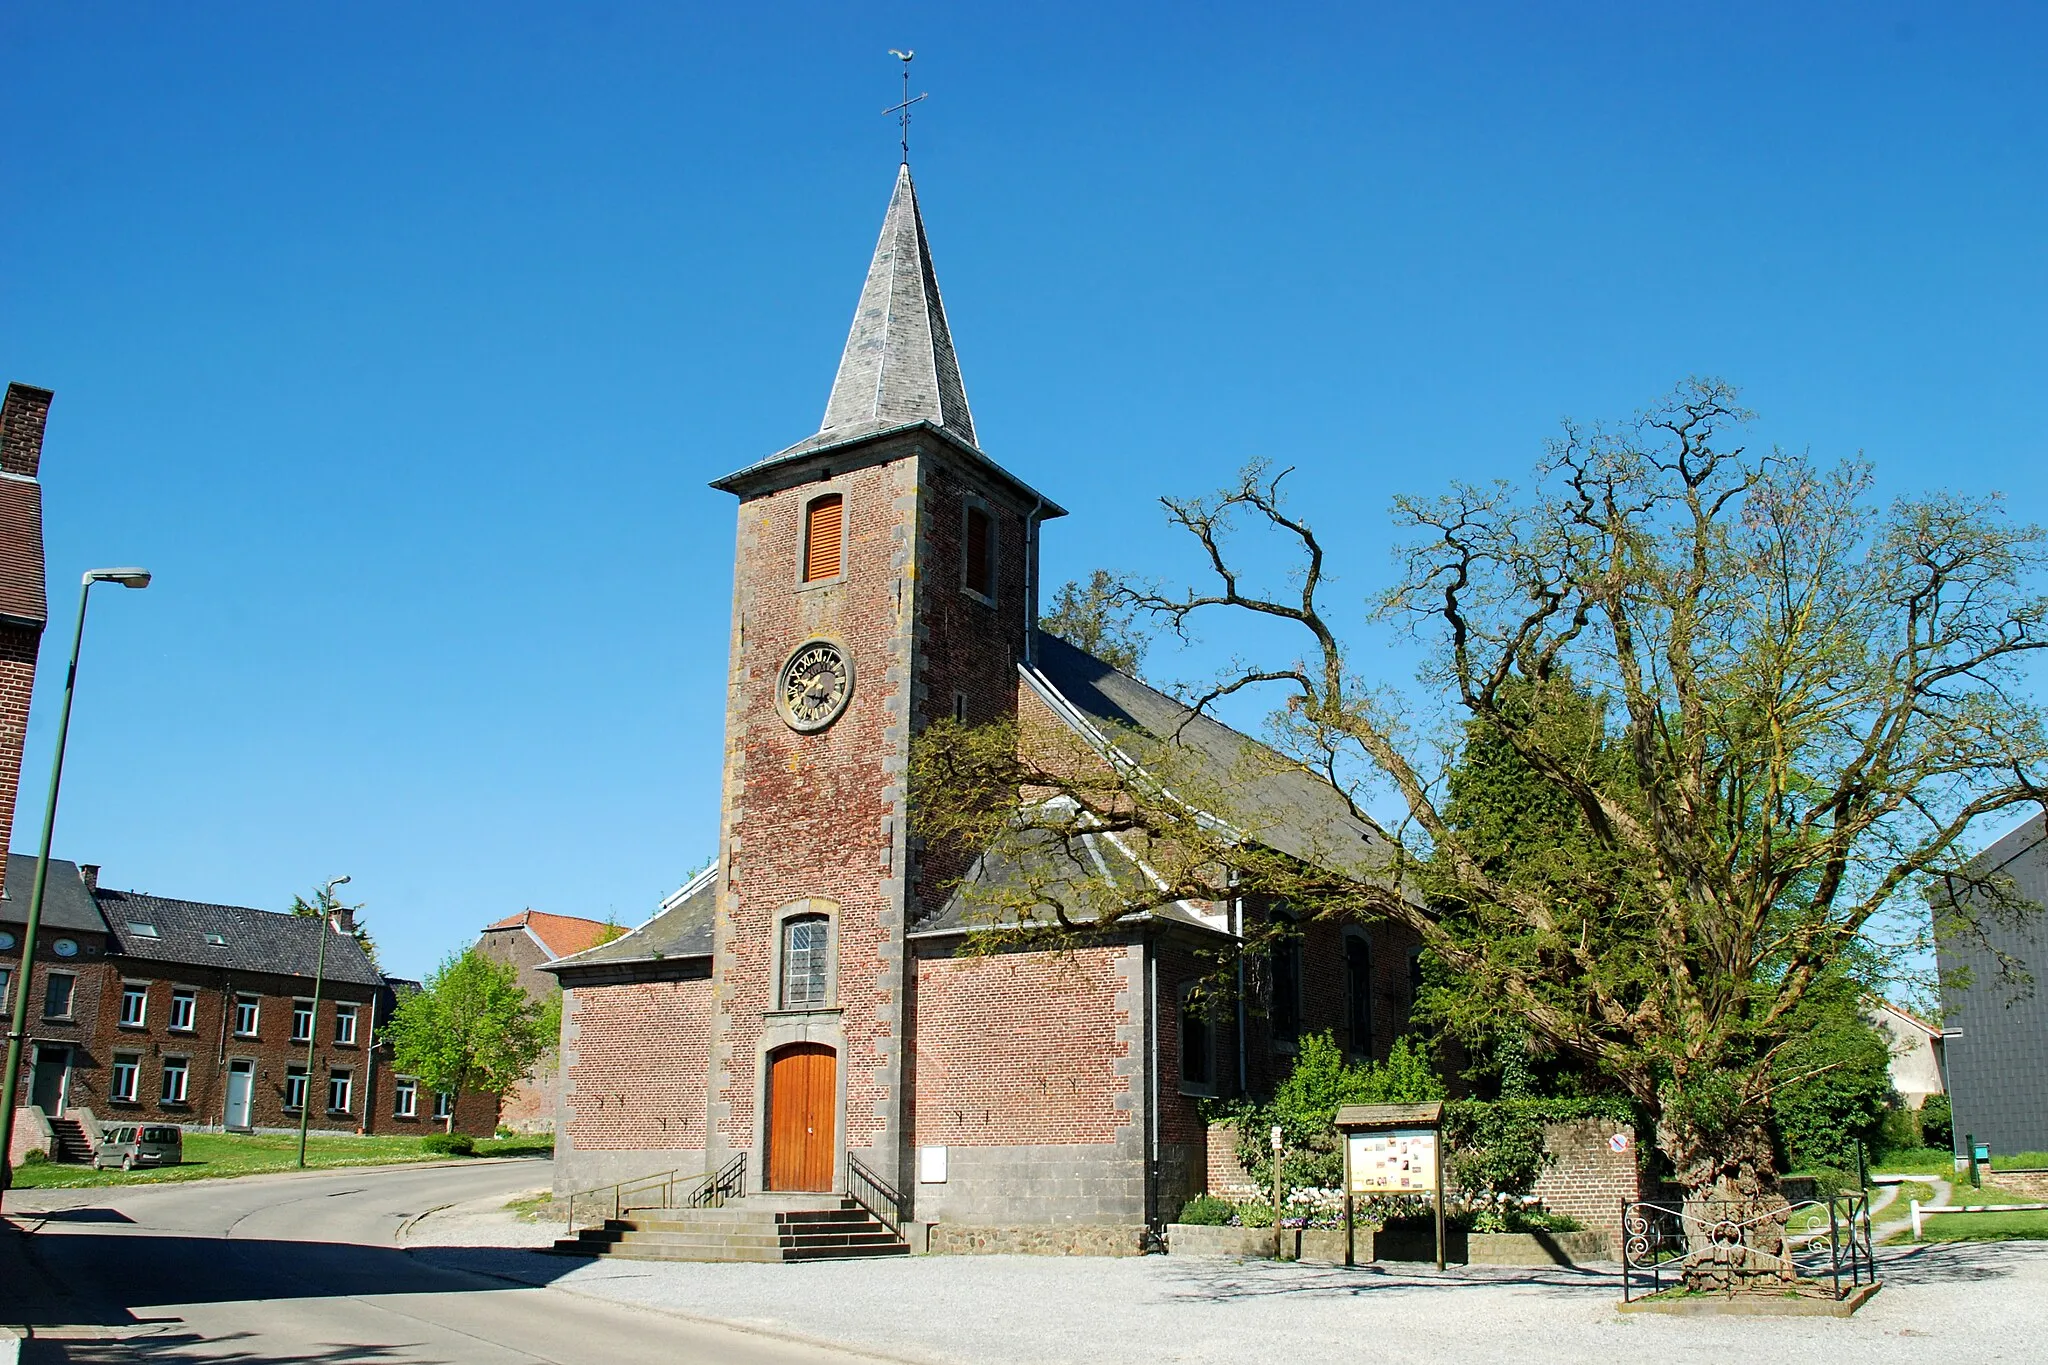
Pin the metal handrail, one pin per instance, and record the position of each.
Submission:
(613, 1200)
(729, 1183)
(868, 1190)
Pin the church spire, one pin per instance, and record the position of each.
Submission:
(898, 365)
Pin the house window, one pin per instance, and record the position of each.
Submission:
(6, 981)
(134, 1005)
(1358, 994)
(245, 1016)
(444, 1104)
(340, 1091)
(978, 561)
(295, 1088)
(1197, 1046)
(127, 1077)
(345, 1025)
(174, 1080)
(1287, 990)
(302, 1021)
(57, 996)
(824, 538)
(406, 1104)
(806, 960)
(184, 1006)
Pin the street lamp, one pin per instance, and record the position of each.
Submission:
(18, 1024)
(313, 1033)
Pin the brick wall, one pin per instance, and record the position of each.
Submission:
(1589, 1179)
(635, 1062)
(1020, 1048)
(529, 1106)
(19, 646)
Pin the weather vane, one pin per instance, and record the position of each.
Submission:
(903, 109)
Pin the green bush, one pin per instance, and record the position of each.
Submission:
(1206, 1210)
(34, 1157)
(1937, 1123)
(1255, 1213)
(1305, 1106)
(450, 1144)
(1835, 1081)
(1899, 1130)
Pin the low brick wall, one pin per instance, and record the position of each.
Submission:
(1040, 1239)
(1589, 1180)
(1538, 1248)
(2033, 1183)
(1228, 1178)
(31, 1134)
(1191, 1239)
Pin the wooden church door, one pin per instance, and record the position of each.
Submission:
(803, 1094)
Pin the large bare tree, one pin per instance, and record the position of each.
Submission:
(1778, 710)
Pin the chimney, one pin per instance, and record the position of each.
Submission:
(343, 920)
(22, 418)
(89, 873)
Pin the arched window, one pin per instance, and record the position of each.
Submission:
(1358, 994)
(806, 961)
(1286, 990)
(978, 562)
(824, 537)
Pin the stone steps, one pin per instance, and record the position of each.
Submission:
(778, 1228)
(72, 1144)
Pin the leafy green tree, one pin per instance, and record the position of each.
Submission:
(1834, 1080)
(324, 904)
(1807, 703)
(1098, 617)
(471, 1028)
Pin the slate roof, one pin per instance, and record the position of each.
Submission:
(680, 929)
(1272, 799)
(898, 372)
(560, 935)
(67, 904)
(254, 940)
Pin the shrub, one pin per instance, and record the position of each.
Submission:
(1937, 1123)
(1206, 1210)
(34, 1157)
(1255, 1213)
(1899, 1130)
(450, 1144)
(1835, 1080)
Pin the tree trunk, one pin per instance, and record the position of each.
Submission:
(1733, 1214)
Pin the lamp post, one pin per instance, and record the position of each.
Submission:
(313, 1033)
(18, 1023)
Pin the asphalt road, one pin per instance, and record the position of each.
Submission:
(305, 1268)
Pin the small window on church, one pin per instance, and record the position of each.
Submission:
(824, 537)
(1358, 994)
(979, 562)
(806, 961)
(1286, 1014)
(1197, 1047)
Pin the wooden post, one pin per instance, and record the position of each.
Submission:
(1276, 1192)
(1350, 1236)
(1439, 1164)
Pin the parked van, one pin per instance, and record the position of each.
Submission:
(129, 1145)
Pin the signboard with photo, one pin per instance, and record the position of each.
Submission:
(1399, 1162)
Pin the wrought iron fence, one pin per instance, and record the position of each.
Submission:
(729, 1182)
(1812, 1240)
(868, 1190)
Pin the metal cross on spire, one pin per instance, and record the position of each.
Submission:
(903, 109)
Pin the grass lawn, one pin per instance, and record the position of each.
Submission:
(210, 1156)
(1935, 1161)
(1984, 1227)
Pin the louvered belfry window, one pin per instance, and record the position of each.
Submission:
(980, 559)
(824, 537)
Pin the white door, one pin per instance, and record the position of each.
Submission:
(241, 1081)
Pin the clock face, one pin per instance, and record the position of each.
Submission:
(816, 684)
(64, 947)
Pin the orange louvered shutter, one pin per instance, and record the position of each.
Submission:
(824, 533)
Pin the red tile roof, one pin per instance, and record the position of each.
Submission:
(561, 935)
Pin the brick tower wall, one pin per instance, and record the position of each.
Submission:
(816, 819)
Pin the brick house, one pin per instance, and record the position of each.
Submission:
(528, 941)
(802, 1005)
(151, 1009)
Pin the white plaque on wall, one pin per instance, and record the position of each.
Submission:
(931, 1165)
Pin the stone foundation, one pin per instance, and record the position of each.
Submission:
(1042, 1239)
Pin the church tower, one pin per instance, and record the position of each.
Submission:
(885, 576)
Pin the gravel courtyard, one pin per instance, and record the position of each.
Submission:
(1956, 1303)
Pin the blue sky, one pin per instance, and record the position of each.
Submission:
(401, 341)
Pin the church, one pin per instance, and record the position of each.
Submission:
(799, 1017)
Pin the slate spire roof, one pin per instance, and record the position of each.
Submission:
(898, 365)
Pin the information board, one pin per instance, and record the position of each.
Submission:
(1398, 1162)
